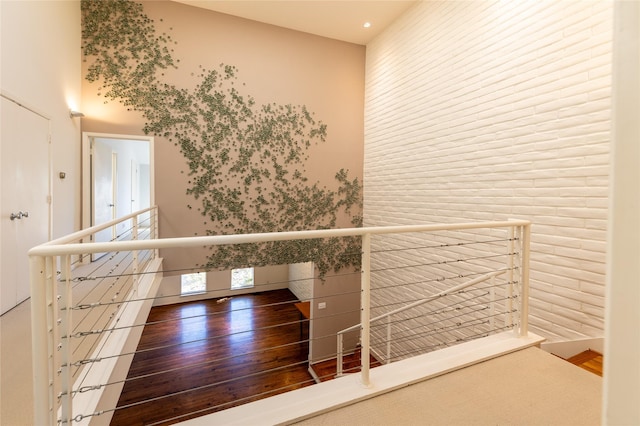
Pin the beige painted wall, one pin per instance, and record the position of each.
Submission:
(334, 307)
(40, 68)
(219, 285)
(275, 65)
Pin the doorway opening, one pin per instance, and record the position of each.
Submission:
(117, 176)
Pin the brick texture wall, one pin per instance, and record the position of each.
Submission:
(479, 111)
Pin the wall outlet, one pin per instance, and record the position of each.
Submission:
(322, 305)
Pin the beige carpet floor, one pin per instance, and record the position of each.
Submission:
(528, 387)
(16, 384)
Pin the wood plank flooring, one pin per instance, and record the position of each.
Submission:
(588, 360)
(191, 355)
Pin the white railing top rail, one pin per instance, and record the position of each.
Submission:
(58, 247)
(42, 276)
(447, 292)
(84, 233)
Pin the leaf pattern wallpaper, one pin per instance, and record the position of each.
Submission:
(246, 163)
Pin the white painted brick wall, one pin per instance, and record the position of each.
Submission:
(493, 110)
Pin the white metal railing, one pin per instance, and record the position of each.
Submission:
(55, 390)
(388, 315)
(52, 317)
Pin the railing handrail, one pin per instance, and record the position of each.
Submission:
(57, 248)
(84, 233)
(43, 279)
(462, 286)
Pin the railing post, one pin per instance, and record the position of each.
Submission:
(135, 265)
(388, 361)
(492, 307)
(155, 232)
(340, 349)
(42, 409)
(524, 278)
(510, 268)
(66, 358)
(365, 310)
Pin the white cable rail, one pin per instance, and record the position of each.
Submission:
(64, 308)
(340, 334)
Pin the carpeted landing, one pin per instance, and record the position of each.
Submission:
(527, 387)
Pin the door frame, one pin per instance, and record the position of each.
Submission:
(87, 183)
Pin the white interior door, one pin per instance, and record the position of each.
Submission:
(25, 198)
(103, 191)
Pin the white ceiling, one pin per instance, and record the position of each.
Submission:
(337, 19)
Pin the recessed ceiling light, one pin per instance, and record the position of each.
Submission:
(367, 24)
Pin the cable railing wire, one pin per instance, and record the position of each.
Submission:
(442, 245)
(403, 302)
(412, 352)
(145, 226)
(443, 262)
(438, 279)
(82, 334)
(109, 283)
(90, 277)
(453, 307)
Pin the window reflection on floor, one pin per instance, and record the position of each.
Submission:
(193, 324)
(240, 320)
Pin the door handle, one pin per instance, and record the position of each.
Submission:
(110, 205)
(18, 215)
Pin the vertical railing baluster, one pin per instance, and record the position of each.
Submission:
(510, 268)
(154, 229)
(388, 340)
(492, 306)
(135, 265)
(340, 350)
(39, 340)
(365, 309)
(66, 382)
(524, 278)
(54, 321)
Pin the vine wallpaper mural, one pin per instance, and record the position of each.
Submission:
(246, 164)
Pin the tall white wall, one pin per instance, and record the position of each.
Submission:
(622, 366)
(488, 110)
(40, 68)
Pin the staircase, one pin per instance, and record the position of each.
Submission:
(326, 370)
(589, 360)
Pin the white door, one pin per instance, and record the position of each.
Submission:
(25, 198)
(103, 167)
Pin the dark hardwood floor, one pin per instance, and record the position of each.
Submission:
(326, 370)
(200, 357)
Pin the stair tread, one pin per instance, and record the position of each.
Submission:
(589, 360)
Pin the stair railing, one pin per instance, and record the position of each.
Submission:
(46, 309)
(388, 315)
